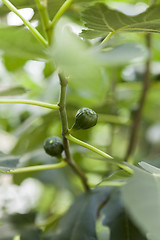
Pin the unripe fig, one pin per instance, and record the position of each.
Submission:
(53, 146)
(85, 118)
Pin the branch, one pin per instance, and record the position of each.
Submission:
(27, 23)
(30, 102)
(64, 124)
(137, 120)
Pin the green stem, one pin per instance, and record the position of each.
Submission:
(64, 124)
(63, 8)
(42, 7)
(108, 37)
(35, 168)
(30, 102)
(27, 23)
(111, 183)
(103, 154)
(86, 145)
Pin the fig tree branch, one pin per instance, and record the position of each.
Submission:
(136, 123)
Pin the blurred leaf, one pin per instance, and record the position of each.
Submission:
(19, 43)
(117, 219)
(13, 63)
(8, 161)
(13, 91)
(149, 168)
(122, 54)
(117, 175)
(33, 132)
(101, 20)
(141, 199)
(20, 224)
(76, 60)
(79, 222)
(48, 69)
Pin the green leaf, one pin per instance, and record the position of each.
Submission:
(79, 221)
(48, 69)
(141, 198)
(13, 63)
(117, 219)
(19, 43)
(75, 59)
(101, 20)
(13, 91)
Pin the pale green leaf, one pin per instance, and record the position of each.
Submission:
(141, 197)
(122, 54)
(76, 60)
(101, 20)
(149, 168)
(20, 43)
(13, 91)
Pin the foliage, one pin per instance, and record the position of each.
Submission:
(82, 54)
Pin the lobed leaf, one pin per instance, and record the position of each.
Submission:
(101, 20)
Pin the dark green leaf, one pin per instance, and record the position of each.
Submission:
(20, 224)
(141, 198)
(79, 221)
(101, 20)
(13, 91)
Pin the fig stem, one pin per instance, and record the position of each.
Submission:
(103, 154)
(30, 102)
(35, 168)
